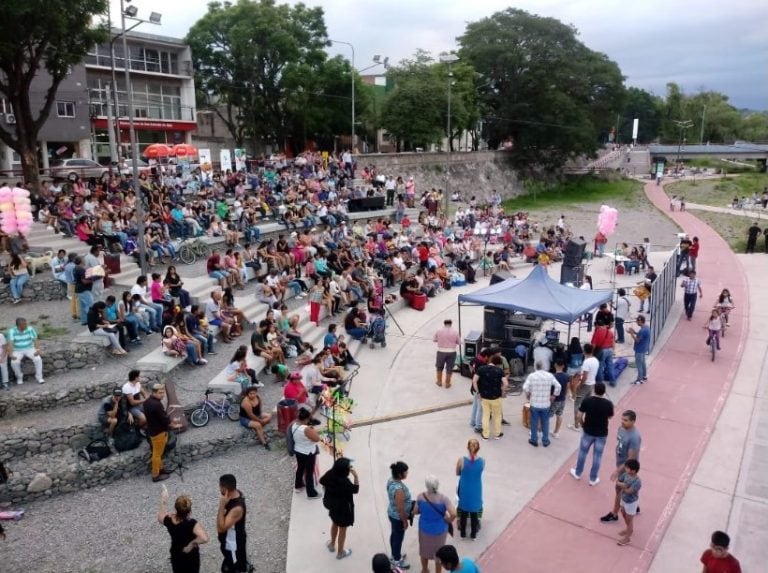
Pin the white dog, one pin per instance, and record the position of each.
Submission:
(36, 262)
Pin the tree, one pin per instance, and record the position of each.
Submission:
(647, 109)
(41, 39)
(755, 126)
(551, 94)
(251, 56)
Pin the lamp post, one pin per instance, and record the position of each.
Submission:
(683, 125)
(352, 146)
(448, 59)
(154, 18)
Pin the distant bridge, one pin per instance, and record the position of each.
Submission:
(738, 151)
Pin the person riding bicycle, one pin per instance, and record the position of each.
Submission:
(725, 304)
(714, 326)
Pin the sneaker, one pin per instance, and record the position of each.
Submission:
(608, 517)
(504, 422)
(486, 439)
(594, 482)
(534, 444)
(267, 446)
(161, 477)
(499, 436)
(41, 381)
(478, 430)
(202, 361)
(635, 382)
(314, 497)
(574, 428)
(212, 352)
(555, 435)
(401, 564)
(574, 474)
(258, 384)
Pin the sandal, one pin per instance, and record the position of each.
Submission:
(344, 554)
(331, 547)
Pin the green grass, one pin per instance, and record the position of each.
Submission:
(719, 192)
(718, 164)
(47, 332)
(732, 228)
(576, 191)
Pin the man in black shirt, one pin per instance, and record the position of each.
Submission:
(230, 525)
(752, 234)
(158, 425)
(489, 381)
(594, 413)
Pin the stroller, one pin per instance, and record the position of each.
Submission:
(377, 331)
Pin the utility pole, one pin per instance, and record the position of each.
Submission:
(703, 116)
(683, 124)
(448, 59)
(111, 131)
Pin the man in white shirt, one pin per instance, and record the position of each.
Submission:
(586, 384)
(154, 311)
(543, 353)
(540, 388)
(57, 266)
(135, 395)
(622, 314)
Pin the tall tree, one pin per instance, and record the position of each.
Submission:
(647, 109)
(41, 39)
(542, 87)
(252, 56)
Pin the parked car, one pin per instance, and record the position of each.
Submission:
(84, 168)
(126, 167)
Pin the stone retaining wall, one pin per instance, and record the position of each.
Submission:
(64, 472)
(39, 288)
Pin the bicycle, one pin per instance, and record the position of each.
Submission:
(222, 408)
(712, 342)
(191, 248)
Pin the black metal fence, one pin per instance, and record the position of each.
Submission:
(663, 293)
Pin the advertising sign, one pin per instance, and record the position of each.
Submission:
(225, 157)
(240, 160)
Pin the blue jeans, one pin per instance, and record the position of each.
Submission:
(607, 365)
(191, 353)
(155, 312)
(642, 369)
(17, 285)
(588, 441)
(540, 415)
(85, 302)
(357, 333)
(620, 330)
(476, 417)
(396, 536)
(205, 342)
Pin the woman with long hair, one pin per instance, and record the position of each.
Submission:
(470, 469)
(19, 277)
(174, 285)
(251, 416)
(339, 500)
(238, 370)
(399, 510)
(574, 358)
(187, 534)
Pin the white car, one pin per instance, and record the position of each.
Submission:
(83, 168)
(126, 167)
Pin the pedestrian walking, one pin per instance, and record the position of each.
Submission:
(490, 383)
(447, 339)
(718, 559)
(557, 407)
(339, 500)
(448, 557)
(629, 485)
(692, 287)
(623, 307)
(752, 234)
(693, 252)
(305, 439)
(230, 525)
(595, 411)
(683, 254)
(436, 514)
(641, 346)
(400, 510)
(158, 427)
(470, 492)
(584, 385)
(187, 534)
(540, 389)
(628, 442)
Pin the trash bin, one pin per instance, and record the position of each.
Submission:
(287, 412)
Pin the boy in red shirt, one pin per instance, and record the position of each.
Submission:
(717, 559)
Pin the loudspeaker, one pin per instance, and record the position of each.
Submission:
(572, 274)
(472, 343)
(501, 276)
(574, 251)
(493, 324)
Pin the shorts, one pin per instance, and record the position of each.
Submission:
(218, 275)
(573, 371)
(629, 508)
(244, 422)
(136, 411)
(445, 361)
(556, 408)
(584, 391)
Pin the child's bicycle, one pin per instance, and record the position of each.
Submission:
(189, 249)
(223, 407)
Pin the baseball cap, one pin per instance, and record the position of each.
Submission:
(117, 392)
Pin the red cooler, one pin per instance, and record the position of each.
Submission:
(419, 301)
(287, 412)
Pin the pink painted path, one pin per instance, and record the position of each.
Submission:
(677, 409)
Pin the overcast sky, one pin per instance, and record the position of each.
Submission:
(700, 44)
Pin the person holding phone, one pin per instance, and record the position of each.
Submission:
(187, 534)
(339, 501)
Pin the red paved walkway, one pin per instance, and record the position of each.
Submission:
(560, 529)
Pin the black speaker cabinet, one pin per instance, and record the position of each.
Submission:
(494, 320)
(573, 275)
(501, 276)
(574, 251)
(472, 343)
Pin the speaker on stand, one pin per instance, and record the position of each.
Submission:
(574, 252)
(494, 320)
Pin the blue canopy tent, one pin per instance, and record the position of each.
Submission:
(538, 294)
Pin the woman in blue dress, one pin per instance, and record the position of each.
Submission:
(470, 471)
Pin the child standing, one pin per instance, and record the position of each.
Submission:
(629, 484)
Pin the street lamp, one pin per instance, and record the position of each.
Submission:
(154, 18)
(448, 59)
(683, 125)
(352, 147)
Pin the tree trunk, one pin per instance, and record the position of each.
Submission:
(29, 166)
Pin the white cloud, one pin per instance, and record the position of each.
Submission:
(721, 45)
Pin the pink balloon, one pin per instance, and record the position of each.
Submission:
(607, 220)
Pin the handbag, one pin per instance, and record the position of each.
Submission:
(450, 523)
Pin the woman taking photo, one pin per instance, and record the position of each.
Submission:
(251, 416)
(436, 513)
(399, 511)
(470, 471)
(187, 535)
(339, 500)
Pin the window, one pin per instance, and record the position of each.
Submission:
(65, 108)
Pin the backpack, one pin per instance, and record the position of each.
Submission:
(95, 451)
(290, 441)
(126, 438)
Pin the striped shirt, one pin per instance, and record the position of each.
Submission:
(22, 340)
(691, 286)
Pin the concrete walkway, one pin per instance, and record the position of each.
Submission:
(749, 213)
(677, 411)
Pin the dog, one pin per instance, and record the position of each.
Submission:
(36, 262)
